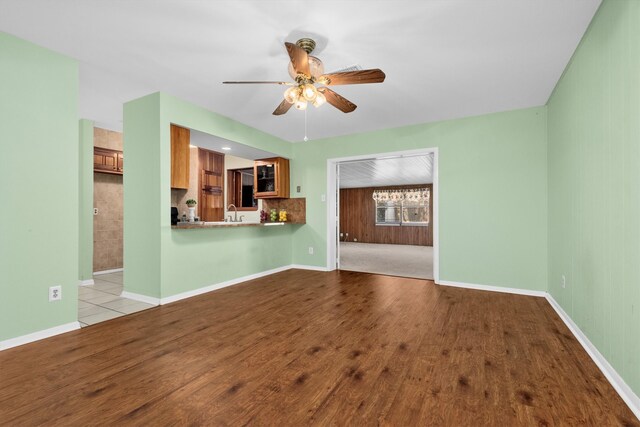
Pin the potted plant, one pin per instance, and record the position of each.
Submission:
(191, 204)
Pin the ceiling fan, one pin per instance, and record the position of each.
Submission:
(307, 71)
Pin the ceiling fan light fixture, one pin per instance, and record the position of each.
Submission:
(292, 94)
(320, 100)
(308, 71)
(309, 92)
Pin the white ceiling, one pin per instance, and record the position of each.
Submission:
(215, 143)
(443, 59)
(385, 172)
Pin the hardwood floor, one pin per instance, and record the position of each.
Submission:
(303, 347)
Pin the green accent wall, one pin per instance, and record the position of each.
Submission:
(160, 261)
(594, 186)
(39, 187)
(492, 195)
(85, 207)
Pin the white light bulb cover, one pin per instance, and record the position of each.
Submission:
(292, 94)
(320, 100)
(301, 104)
(309, 92)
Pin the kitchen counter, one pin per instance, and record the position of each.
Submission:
(220, 224)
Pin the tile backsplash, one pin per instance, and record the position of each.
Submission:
(179, 197)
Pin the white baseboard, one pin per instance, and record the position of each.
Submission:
(88, 282)
(140, 297)
(209, 288)
(215, 286)
(308, 267)
(39, 335)
(114, 270)
(630, 398)
(493, 288)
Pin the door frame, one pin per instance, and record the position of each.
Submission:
(333, 202)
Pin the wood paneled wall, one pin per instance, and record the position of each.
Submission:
(357, 217)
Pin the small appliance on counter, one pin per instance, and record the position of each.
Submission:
(174, 215)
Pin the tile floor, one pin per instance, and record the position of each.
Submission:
(102, 301)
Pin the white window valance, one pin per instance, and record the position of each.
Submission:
(413, 194)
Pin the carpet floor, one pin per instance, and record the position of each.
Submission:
(392, 260)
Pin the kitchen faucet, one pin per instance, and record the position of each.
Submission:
(235, 218)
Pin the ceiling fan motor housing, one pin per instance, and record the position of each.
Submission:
(306, 44)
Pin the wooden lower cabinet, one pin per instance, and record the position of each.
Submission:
(211, 206)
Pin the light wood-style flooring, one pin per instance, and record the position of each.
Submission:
(312, 348)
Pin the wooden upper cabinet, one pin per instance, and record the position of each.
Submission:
(180, 138)
(120, 162)
(211, 185)
(271, 178)
(106, 160)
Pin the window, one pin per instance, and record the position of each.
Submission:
(402, 207)
(240, 189)
(388, 212)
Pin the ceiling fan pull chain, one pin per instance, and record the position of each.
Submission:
(305, 126)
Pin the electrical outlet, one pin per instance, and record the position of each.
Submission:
(564, 282)
(55, 293)
(95, 211)
(310, 250)
(298, 189)
(355, 240)
(323, 198)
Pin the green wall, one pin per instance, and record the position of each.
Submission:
(162, 262)
(85, 207)
(493, 213)
(39, 187)
(142, 187)
(493, 194)
(594, 186)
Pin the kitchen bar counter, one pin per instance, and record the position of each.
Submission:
(193, 225)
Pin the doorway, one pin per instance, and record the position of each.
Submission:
(101, 299)
(383, 213)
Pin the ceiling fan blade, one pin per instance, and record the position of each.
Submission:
(340, 102)
(249, 82)
(353, 77)
(282, 108)
(299, 59)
